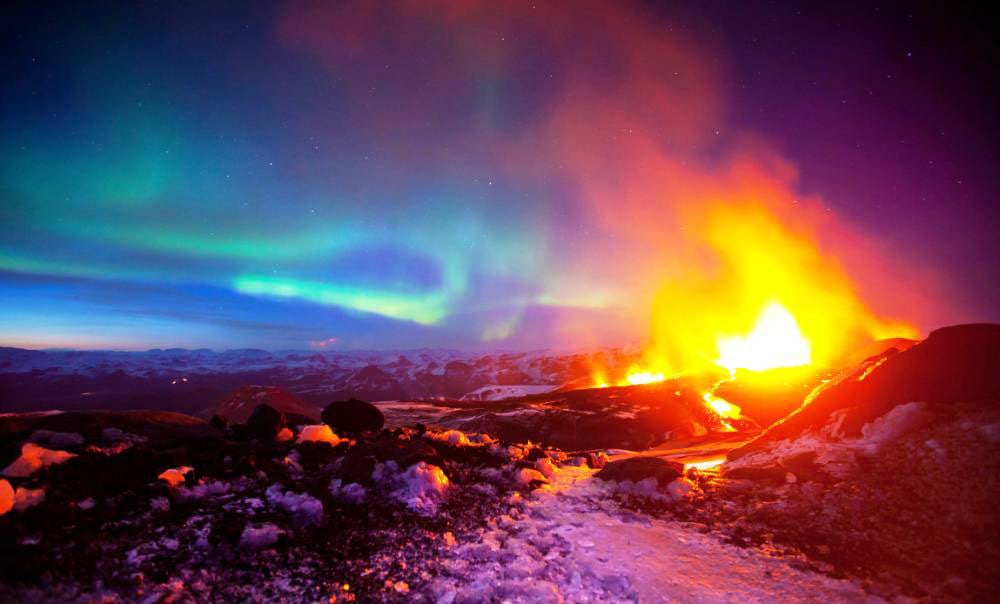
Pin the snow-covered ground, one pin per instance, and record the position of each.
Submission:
(570, 541)
(494, 392)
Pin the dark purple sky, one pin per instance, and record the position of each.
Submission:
(889, 111)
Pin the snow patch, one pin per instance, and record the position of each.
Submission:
(34, 458)
(202, 490)
(26, 498)
(320, 433)
(258, 537)
(835, 452)
(351, 492)
(495, 392)
(304, 508)
(546, 467)
(160, 504)
(899, 420)
(574, 543)
(452, 437)
(175, 476)
(6, 497)
(420, 487)
(525, 476)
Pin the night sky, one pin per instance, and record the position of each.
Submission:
(448, 174)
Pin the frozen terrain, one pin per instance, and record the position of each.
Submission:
(571, 541)
(879, 483)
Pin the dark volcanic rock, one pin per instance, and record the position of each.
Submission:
(640, 468)
(404, 452)
(153, 425)
(629, 417)
(953, 365)
(357, 466)
(266, 421)
(353, 416)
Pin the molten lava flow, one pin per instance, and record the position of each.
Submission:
(775, 341)
(705, 464)
(723, 408)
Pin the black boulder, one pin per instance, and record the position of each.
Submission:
(353, 416)
(265, 422)
(640, 468)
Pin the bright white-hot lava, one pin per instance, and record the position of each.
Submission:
(775, 341)
(637, 376)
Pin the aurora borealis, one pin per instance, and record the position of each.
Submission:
(369, 175)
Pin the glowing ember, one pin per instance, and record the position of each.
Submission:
(775, 341)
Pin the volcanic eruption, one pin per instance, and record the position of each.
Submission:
(461, 302)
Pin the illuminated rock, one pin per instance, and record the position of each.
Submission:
(640, 468)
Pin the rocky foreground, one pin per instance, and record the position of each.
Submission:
(881, 486)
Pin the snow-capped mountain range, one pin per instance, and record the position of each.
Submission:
(194, 380)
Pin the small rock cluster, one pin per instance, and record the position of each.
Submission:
(274, 506)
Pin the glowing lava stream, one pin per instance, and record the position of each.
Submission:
(775, 341)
